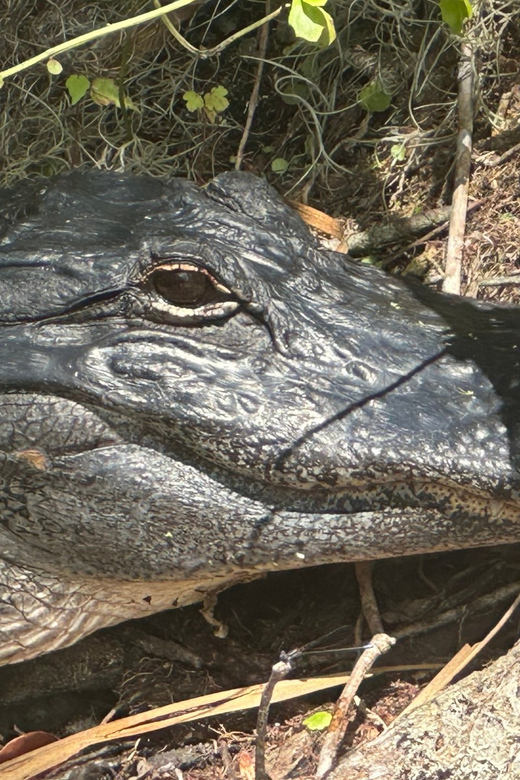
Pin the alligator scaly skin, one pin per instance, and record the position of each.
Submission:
(192, 393)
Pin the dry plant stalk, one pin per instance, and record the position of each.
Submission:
(379, 644)
(455, 248)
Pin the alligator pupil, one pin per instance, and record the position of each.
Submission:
(184, 288)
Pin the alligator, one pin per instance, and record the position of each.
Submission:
(194, 393)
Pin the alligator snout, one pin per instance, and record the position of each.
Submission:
(207, 395)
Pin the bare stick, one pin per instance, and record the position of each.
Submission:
(368, 597)
(505, 157)
(458, 663)
(279, 671)
(455, 247)
(253, 100)
(379, 644)
(499, 280)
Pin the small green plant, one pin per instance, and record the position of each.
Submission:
(318, 721)
(104, 92)
(77, 87)
(311, 22)
(54, 67)
(398, 152)
(373, 97)
(455, 12)
(212, 103)
(279, 165)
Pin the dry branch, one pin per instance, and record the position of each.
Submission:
(455, 249)
(469, 730)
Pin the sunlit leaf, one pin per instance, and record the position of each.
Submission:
(310, 22)
(105, 92)
(193, 100)
(77, 87)
(216, 100)
(54, 67)
(329, 31)
(454, 13)
(318, 721)
(398, 152)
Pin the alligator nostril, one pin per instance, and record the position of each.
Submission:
(125, 367)
(362, 371)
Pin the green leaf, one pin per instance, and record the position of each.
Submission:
(194, 101)
(279, 165)
(310, 22)
(454, 13)
(398, 152)
(77, 87)
(329, 31)
(105, 92)
(216, 99)
(54, 67)
(318, 721)
(373, 98)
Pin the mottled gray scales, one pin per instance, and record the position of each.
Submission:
(192, 393)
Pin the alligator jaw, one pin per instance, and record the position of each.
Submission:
(42, 611)
(46, 612)
(192, 393)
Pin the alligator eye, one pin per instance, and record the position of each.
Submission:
(185, 293)
(182, 287)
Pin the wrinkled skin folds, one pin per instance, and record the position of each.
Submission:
(192, 393)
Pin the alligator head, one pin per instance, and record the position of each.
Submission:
(192, 393)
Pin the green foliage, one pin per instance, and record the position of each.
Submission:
(311, 22)
(216, 100)
(454, 13)
(54, 67)
(373, 97)
(213, 102)
(77, 87)
(105, 92)
(318, 721)
(194, 101)
(398, 152)
(279, 165)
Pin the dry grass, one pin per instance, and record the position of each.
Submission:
(341, 159)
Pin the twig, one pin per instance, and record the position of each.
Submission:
(481, 603)
(458, 663)
(212, 705)
(368, 599)
(498, 280)
(279, 672)
(504, 157)
(379, 644)
(134, 21)
(204, 54)
(455, 246)
(253, 100)
(91, 36)
(427, 237)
